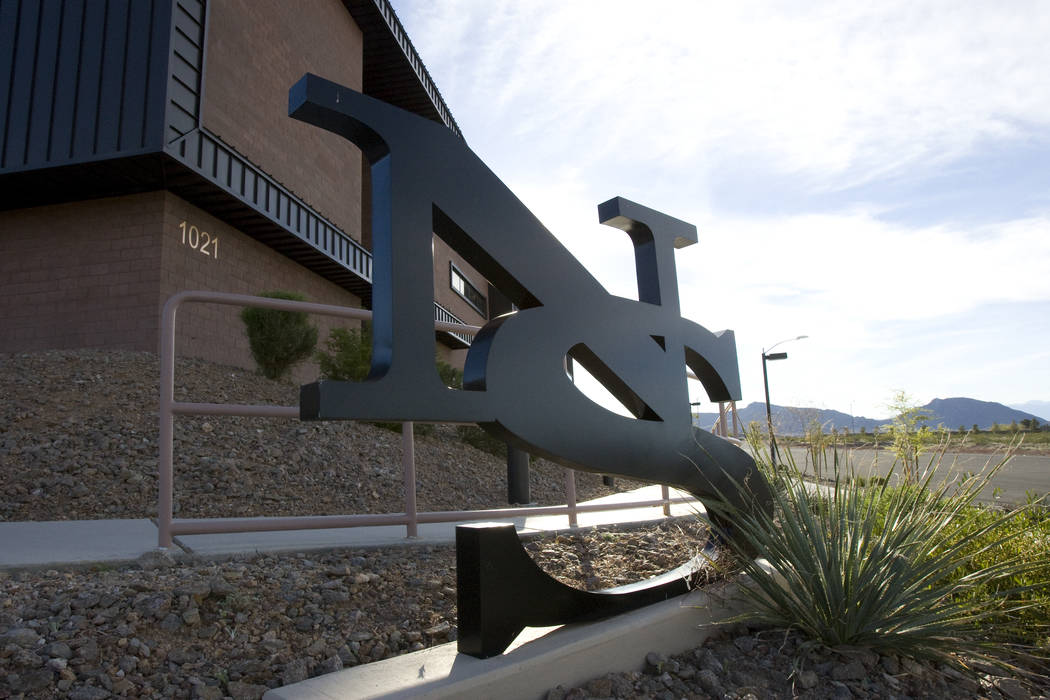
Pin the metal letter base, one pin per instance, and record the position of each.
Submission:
(500, 591)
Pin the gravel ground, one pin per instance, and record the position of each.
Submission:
(752, 664)
(208, 629)
(78, 441)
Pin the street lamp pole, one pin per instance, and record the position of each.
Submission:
(769, 357)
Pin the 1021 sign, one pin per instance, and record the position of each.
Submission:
(200, 241)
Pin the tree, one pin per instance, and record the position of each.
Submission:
(909, 432)
(995, 428)
(1014, 427)
(976, 428)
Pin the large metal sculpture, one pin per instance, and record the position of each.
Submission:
(425, 180)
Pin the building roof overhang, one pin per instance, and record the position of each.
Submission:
(393, 70)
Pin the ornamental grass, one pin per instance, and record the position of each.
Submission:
(909, 567)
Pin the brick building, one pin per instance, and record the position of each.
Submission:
(145, 149)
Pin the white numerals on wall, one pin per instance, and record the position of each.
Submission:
(201, 241)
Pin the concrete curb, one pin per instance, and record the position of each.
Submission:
(539, 660)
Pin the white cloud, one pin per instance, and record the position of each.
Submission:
(574, 102)
(833, 92)
(845, 263)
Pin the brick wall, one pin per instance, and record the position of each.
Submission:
(83, 274)
(443, 292)
(242, 266)
(256, 50)
(96, 274)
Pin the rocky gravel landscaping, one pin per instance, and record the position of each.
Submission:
(78, 441)
(234, 628)
(752, 664)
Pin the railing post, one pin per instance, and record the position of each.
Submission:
(570, 495)
(165, 478)
(408, 465)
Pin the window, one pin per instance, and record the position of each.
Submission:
(462, 286)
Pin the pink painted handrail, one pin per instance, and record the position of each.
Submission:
(168, 526)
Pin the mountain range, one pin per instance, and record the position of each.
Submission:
(953, 413)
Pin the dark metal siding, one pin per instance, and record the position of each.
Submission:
(81, 80)
(187, 66)
(394, 72)
(230, 174)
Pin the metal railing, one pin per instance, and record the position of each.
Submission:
(168, 526)
(721, 425)
(445, 316)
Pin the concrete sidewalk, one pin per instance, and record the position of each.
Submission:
(63, 543)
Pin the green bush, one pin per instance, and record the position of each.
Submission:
(279, 339)
(915, 569)
(349, 354)
(348, 357)
(909, 432)
(452, 377)
(481, 440)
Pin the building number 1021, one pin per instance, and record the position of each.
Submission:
(201, 241)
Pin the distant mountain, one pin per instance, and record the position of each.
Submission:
(967, 412)
(952, 413)
(792, 420)
(1039, 408)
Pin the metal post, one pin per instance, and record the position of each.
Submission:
(769, 413)
(165, 479)
(408, 465)
(570, 495)
(518, 491)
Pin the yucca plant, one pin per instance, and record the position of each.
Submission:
(888, 567)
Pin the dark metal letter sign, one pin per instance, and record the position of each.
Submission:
(425, 180)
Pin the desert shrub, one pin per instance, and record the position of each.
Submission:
(451, 376)
(1026, 591)
(279, 339)
(914, 568)
(348, 354)
(348, 357)
(479, 439)
(909, 432)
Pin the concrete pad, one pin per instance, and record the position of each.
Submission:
(567, 656)
(305, 540)
(74, 542)
(85, 542)
(620, 515)
(270, 541)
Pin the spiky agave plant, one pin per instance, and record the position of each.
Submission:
(883, 566)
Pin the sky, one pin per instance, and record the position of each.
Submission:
(875, 176)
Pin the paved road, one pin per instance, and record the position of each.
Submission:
(1023, 473)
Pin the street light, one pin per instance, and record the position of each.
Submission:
(768, 356)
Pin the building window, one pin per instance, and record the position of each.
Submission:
(462, 286)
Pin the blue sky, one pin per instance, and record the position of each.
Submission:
(875, 177)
